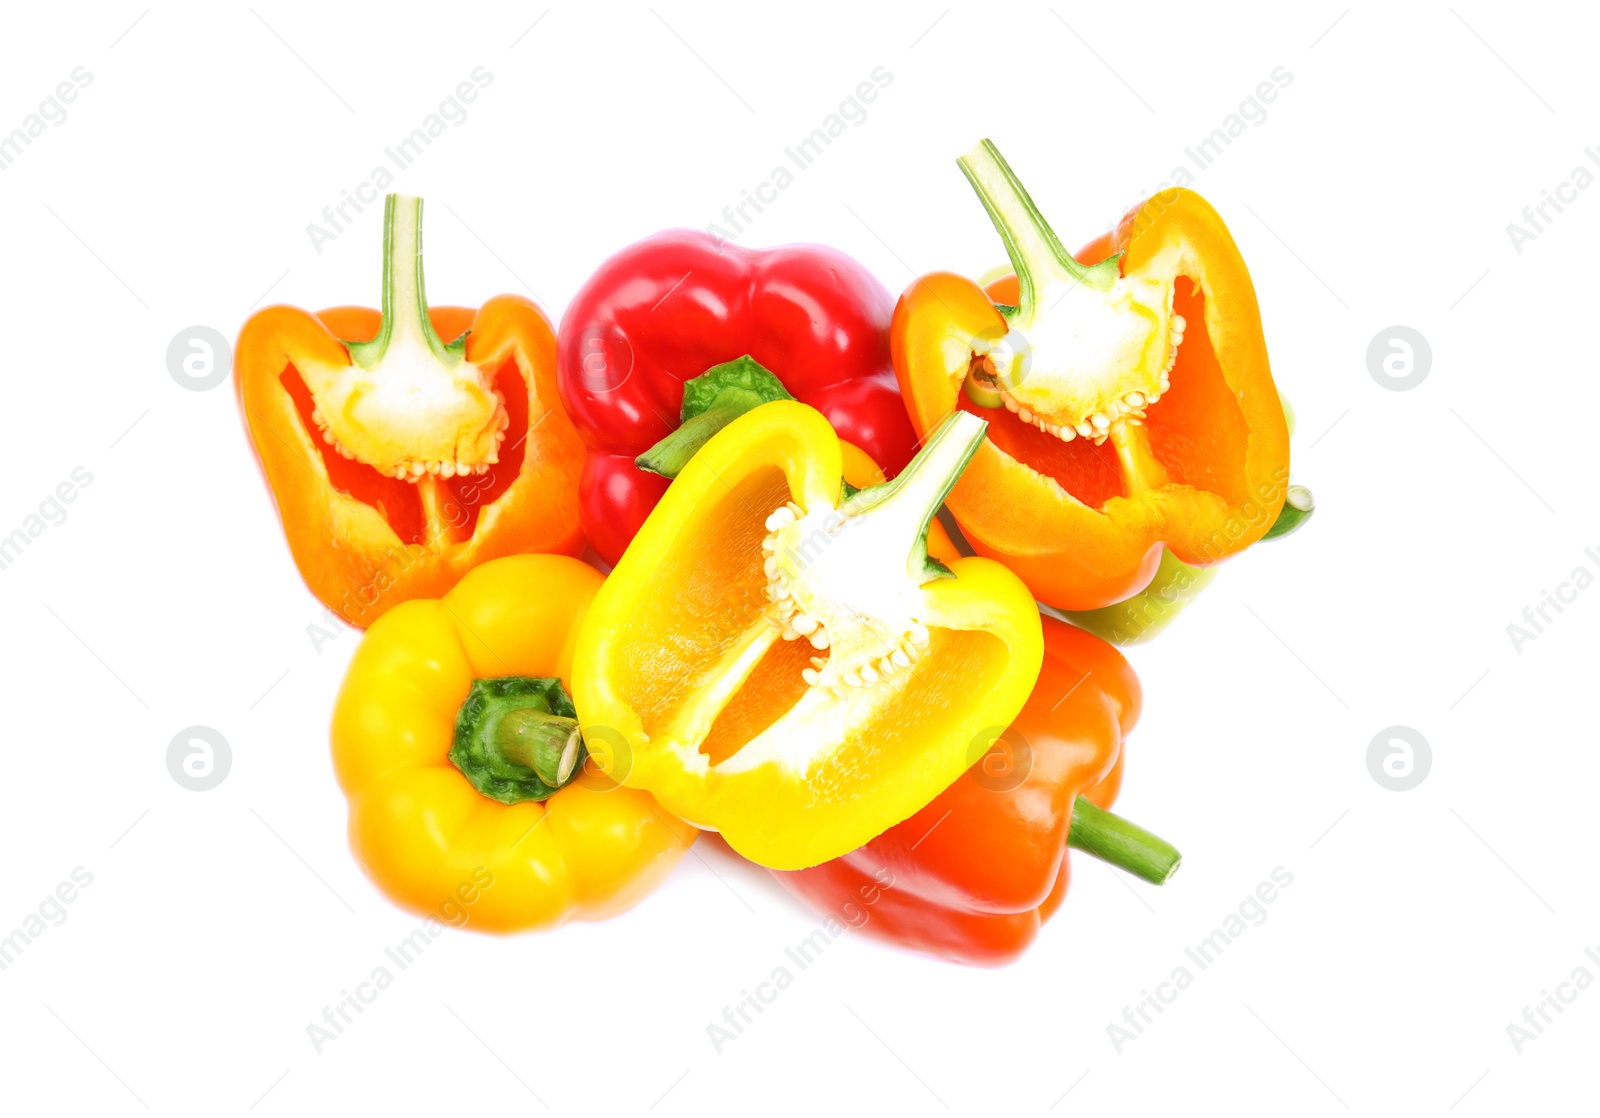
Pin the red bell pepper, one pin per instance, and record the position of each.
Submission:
(670, 307)
(972, 876)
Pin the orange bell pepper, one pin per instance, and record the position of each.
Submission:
(1130, 402)
(399, 462)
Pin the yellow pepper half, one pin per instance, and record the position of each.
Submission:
(455, 743)
(776, 657)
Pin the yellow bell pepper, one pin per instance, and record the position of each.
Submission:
(776, 657)
(456, 744)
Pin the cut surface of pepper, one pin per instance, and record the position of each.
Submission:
(1086, 349)
(406, 403)
(399, 461)
(778, 658)
(1129, 398)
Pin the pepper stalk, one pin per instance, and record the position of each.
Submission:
(517, 738)
(405, 300)
(1118, 842)
(408, 404)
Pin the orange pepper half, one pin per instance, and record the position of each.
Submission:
(1130, 402)
(399, 462)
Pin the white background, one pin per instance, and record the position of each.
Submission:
(1377, 192)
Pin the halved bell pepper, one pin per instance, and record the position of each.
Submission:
(399, 462)
(1130, 403)
(973, 876)
(457, 745)
(776, 657)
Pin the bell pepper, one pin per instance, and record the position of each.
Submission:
(973, 876)
(776, 656)
(1130, 403)
(676, 304)
(399, 462)
(458, 747)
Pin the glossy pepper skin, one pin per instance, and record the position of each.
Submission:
(694, 674)
(672, 306)
(973, 876)
(1203, 470)
(419, 829)
(364, 539)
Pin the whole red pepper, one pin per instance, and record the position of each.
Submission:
(672, 306)
(972, 876)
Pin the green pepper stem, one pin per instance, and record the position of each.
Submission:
(1298, 505)
(405, 302)
(711, 401)
(1105, 835)
(1036, 252)
(546, 743)
(906, 505)
(517, 738)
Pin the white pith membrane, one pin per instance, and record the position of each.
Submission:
(1088, 359)
(867, 615)
(415, 406)
(410, 415)
(848, 580)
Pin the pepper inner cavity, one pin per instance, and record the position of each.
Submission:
(847, 579)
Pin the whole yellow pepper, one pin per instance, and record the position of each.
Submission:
(455, 741)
